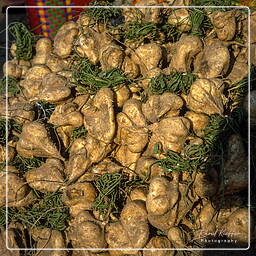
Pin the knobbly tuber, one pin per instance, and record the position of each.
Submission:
(206, 96)
(34, 141)
(49, 177)
(126, 131)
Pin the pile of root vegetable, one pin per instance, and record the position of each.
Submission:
(128, 130)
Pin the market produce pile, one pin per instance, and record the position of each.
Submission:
(125, 132)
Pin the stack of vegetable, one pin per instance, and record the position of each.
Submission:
(125, 132)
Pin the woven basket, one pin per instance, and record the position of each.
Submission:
(47, 21)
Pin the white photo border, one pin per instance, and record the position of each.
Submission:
(249, 133)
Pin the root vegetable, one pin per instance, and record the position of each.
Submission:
(99, 117)
(64, 39)
(238, 224)
(3, 153)
(17, 188)
(87, 232)
(52, 239)
(130, 68)
(49, 177)
(43, 50)
(169, 139)
(148, 56)
(34, 141)
(56, 63)
(158, 243)
(122, 95)
(145, 167)
(18, 110)
(205, 96)
(224, 24)
(213, 61)
(185, 50)
(180, 18)
(132, 229)
(53, 89)
(111, 56)
(79, 197)
(199, 122)
(66, 114)
(158, 106)
(161, 203)
(176, 236)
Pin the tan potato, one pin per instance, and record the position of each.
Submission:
(148, 56)
(238, 225)
(12, 69)
(34, 141)
(158, 106)
(130, 135)
(180, 19)
(126, 157)
(65, 133)
(43, 50)
(185, 50)
(162, 202)
(11, 242)
(131, 231)
(32, 82)
(49, 177)
(213, 61)
(145, 167)
(96, 149)
(6, 157)
(238, 72)
(162, 196)
(78, 161)
(177, 237)
(53, 89)
(173, 139)
(205, 96)
(18, 110)
(37, 72)
(79, 197)
(139, 193)
(106, 166)
(99, 118)
(64, 39)
(56, 63)
(111, 56)
(158, 243)
(150, 14)
(87, 45)
(133, 109)
(66, 114)
(131, 69)
(17, 188)
(199, 122)
(47, 238)
(122, 95)
(81, 100)
(224, 24)
(13, 50)
(87, 232)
